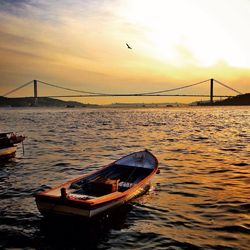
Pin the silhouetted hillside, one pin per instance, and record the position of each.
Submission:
(236, 100)
(41, 102)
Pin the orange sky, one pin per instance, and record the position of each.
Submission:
(82, 45)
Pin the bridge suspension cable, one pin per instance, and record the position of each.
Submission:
(14, 90)
(168, 90)
(226, 86)
(74, 90)
(138, 94)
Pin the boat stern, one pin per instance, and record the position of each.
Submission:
(50, 206)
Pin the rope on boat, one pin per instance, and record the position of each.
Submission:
(23, 147)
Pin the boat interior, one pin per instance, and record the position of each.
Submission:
(111, 179)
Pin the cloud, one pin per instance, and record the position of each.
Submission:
(185, 55)
(84, 41)
(49, 31)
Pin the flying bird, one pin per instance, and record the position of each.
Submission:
(128, 46)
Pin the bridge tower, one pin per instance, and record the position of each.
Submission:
(35, 93)
(211, 90)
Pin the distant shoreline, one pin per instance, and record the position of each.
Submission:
(239, 100)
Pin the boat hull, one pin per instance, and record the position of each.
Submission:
(60, 207)
(7, 153)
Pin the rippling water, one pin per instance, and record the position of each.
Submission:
(201, 199)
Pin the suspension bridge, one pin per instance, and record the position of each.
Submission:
(166, 92)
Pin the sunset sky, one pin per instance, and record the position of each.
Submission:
(81, 44)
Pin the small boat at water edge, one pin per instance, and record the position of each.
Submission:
(101, 190)
(8, 143)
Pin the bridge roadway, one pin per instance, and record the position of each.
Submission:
(107, 95)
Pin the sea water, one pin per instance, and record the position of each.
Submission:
(200, 199)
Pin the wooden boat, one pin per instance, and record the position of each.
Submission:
(101, 190)
(8, 143)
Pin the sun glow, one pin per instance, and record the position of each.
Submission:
(184, 32)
